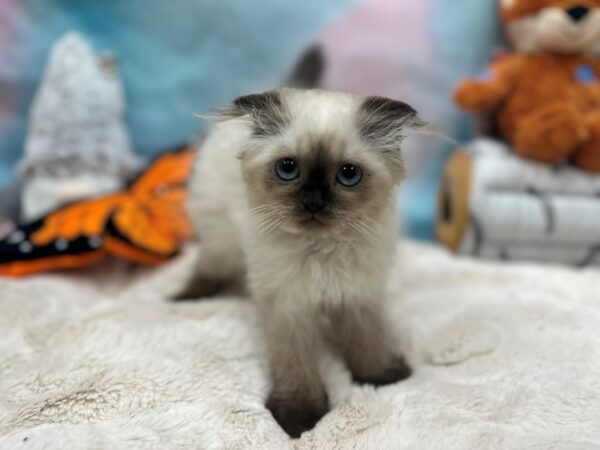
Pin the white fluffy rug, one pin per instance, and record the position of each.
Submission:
(504, 357)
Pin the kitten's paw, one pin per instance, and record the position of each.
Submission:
(398, 370)
(199, 287)
(296, 416)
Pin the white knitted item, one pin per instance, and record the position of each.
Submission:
(78, 144)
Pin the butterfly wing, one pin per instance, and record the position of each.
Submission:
(170, 169)
(20, 255)
(86, 218)
(150, 227)
(145, 224)
(69, 237)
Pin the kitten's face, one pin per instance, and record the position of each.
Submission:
(322, 162)
(317, 183)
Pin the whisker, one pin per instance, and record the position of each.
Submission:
(376, 224)
(371, 229)
(359, 230)
(262, 209)
(272, 225)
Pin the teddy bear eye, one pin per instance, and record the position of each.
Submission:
(578, 13)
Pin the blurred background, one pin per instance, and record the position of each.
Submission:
(178, 59)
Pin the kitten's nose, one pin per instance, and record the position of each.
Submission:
(578, 13)
(313, 200)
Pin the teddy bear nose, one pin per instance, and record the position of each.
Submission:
(578, 13)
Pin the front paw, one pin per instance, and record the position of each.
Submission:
(396, 370)
(297, 415)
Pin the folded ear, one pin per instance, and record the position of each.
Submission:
(266, 111)
(385, 123)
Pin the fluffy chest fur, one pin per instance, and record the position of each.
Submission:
(321, 271)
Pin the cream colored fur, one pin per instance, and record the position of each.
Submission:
(229, 229)
(321, 268)
(312, 281)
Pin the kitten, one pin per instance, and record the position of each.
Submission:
(294, 194)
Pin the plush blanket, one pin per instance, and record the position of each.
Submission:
(504, 356)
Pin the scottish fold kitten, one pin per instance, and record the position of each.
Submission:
(294, 196)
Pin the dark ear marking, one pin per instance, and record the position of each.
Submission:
(257, 102)
(388, 106)
(381, 116)
(266, 110)
(385, 123)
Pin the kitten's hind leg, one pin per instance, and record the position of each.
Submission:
(199, 286)
(216, 271)
(220, 265)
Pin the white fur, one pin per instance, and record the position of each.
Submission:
(218, 204)
(552, 30)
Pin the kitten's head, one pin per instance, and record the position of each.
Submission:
(317, 160)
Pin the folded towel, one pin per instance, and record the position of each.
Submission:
(494, 204)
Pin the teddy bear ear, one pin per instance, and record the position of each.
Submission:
(506, 7)
(513, 9)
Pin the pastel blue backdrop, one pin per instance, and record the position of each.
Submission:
(464, 35)
(177, 57)
(186, 57)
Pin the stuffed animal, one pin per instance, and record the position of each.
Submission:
(545, 96)
(144, 224)
(78, 143)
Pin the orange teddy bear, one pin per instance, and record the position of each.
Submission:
(546, 95)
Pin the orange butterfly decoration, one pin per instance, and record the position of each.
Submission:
(145, 224)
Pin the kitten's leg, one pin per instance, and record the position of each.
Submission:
(220, 264)
(203, 282)
(297, 399)
(360, 334)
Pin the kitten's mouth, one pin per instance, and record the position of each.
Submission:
(307, 223)
(314, 220)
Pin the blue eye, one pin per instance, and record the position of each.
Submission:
(349, 175)
(287, 169)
